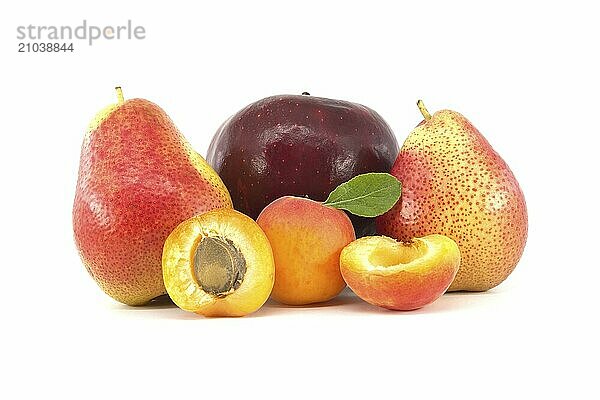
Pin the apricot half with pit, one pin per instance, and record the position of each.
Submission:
(400, 275)
(218, 264)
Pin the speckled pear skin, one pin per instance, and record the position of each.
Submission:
(138, 179)
(455, 184)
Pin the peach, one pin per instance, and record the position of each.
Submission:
(218, 264)
(397, 275)
(307, 238)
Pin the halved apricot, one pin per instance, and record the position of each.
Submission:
(400, 276)
(218, 264)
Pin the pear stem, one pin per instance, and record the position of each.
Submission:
(120, 97)
(423, 110)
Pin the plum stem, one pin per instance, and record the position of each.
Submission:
(423, 110)
(120, 97)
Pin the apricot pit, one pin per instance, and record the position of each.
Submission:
(219, 266)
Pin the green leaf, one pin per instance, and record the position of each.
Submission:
(366, 195)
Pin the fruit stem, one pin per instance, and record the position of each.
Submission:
(423, 110)
(120, 94)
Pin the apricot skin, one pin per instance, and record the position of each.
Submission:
(307, 238)
(402, 287)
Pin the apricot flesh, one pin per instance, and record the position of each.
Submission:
(400, 275)
(218, 264)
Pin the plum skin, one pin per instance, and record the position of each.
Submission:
(299, 145)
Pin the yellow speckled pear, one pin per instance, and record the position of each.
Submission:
(455, 184)
(138, 178)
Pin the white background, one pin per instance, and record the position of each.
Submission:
(525, 74)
